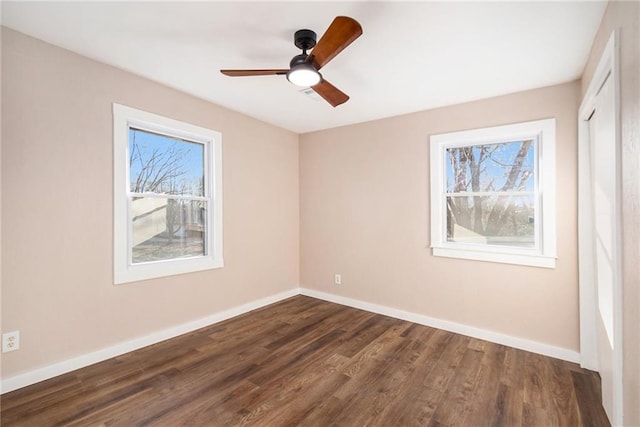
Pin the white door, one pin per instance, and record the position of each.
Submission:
(606, 224)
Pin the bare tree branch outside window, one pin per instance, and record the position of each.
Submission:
(167, 187)
(490, 193)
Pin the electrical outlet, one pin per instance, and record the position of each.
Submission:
(338, 279)
(10, 341)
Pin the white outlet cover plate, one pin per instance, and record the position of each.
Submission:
(10, 341)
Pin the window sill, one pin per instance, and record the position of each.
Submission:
(504, 258)
(152, 270)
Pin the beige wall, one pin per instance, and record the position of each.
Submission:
(364, 209)
(57, 208)
(625, 17)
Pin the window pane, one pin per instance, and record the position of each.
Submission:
(491, 220)
(508, 166)
(165, 229)
(165, 165)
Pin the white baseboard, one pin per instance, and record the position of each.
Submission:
(483, 334)
(50, 371)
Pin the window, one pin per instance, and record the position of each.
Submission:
(493, 194)
(167, 196)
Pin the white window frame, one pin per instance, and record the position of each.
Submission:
(544, 252)
(124, 271)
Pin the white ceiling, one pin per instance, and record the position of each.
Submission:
(412, 56)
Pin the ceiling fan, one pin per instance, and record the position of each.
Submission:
(304, 68)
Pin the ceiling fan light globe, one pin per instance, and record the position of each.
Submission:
(304, 76)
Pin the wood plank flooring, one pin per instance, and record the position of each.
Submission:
(306, 362)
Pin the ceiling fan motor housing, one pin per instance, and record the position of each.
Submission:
(298, 59)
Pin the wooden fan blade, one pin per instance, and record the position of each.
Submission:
(330, 93)
(340, 34)
(246, 73)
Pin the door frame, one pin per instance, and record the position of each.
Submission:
(608, 67)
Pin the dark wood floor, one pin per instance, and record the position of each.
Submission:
(313, 363)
